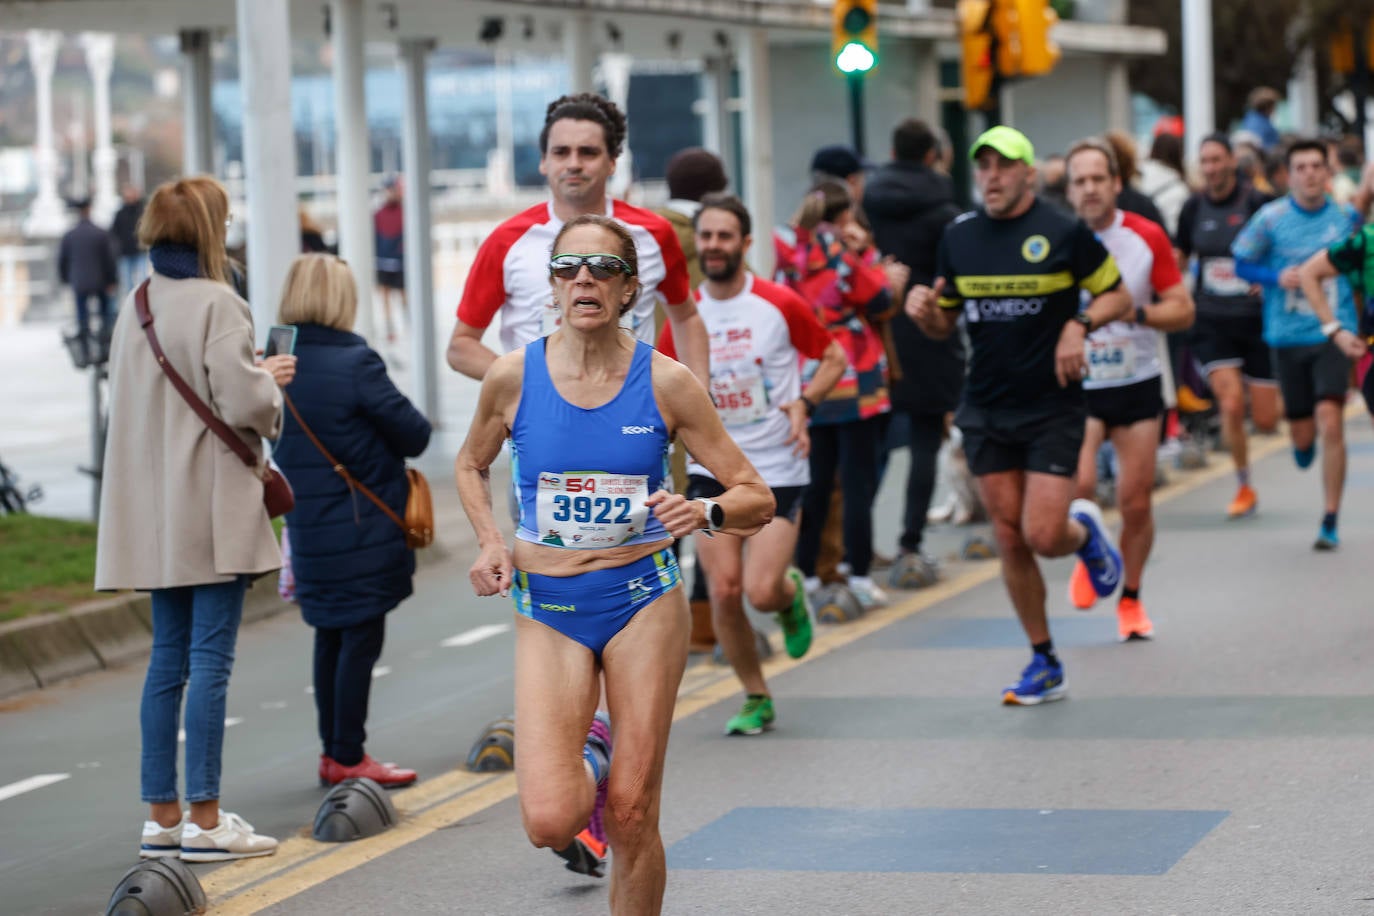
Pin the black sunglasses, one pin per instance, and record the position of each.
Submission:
(602, 266)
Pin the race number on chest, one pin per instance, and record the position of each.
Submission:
(586, 510)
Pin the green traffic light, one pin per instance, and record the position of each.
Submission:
(855, 58)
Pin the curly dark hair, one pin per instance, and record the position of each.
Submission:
(586, 106)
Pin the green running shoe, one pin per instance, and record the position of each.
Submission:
(755, 718)
(796, 620)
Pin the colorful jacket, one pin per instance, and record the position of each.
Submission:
(849, 292)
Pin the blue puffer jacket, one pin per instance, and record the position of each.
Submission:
(351, 561)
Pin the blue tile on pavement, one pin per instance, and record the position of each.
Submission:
(965, 841)
(921, 632)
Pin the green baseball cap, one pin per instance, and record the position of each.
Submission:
(1008, 141)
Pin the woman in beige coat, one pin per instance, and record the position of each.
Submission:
(181, 515)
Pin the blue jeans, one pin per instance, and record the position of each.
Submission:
(133, 268)
(194, 631)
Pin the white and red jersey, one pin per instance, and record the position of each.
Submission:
(1123, 352)
(511, 274)
(757, 338)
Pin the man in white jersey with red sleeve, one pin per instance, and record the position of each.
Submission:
(582, 136)
(1125, 370)
(759, 331)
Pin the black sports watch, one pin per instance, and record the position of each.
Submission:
(715, 515)
(1084, 319)
(810, 405)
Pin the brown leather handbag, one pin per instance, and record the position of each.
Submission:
(277, 497)
(418, 525)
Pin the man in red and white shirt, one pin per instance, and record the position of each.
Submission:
(1126, 369)
(759, 333)
(582, 136)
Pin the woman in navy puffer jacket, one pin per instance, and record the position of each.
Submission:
(351, 562)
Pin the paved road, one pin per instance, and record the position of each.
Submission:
(1218, 769)
(1221, 769)
(445, 672)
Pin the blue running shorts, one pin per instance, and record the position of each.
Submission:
(592, 607)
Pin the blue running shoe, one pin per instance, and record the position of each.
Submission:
(1327, 538)
(1041, 682)
(1303, 456)
(1099, 554)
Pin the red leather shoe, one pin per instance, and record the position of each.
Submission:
(387, 775)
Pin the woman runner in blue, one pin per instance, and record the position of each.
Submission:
(589, 412)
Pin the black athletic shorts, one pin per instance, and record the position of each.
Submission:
(789, 499)
(1126, 404)
(1042, 439)
(391, 279)
(1320, 372)
(1221, 342)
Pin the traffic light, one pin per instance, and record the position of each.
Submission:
(1021, 30)
(975, 52)
(854, 35)
(1035, 18)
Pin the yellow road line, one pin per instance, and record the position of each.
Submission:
(251, 885)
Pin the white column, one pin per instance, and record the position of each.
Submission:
(269, 153)
(352, 160)
(46, 218)
(927, 84)
(577, 47)
(99, 48)
(198, 120)
(419, 251)
(1302, 94)
(501, 160)
(757, 144)
(718, 129)
(1118, 95)
(615, 73)
(1199, 111)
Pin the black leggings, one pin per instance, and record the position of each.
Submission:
(343, 681)
(851, 450)
(927, 431)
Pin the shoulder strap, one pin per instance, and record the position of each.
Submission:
(339, 468)
(216, 425)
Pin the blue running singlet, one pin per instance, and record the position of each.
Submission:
(581, 476)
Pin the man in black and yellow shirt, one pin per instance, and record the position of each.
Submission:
(1014, 270)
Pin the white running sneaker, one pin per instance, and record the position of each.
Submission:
(233, 838)
(868, 592)
(161, 842)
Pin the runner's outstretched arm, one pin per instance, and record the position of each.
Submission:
(496, 405)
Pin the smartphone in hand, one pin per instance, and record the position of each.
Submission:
(281, 340)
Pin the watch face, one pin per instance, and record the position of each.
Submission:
(717, 515)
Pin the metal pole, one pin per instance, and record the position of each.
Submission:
(757, 143)
(199, 121)
(419, 250)
(1199, 89)
(856, 110)
(269, 153)
(351, 176)
(581, 56)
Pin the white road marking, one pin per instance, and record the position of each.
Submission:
(381, 671)
(475, 635)
(33, 782)
(272, 704)
(228, 723)
(310, 690)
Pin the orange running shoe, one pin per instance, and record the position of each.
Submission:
(1131, 621)
(1244, 503)
(1190, 402)
(1082, 595)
